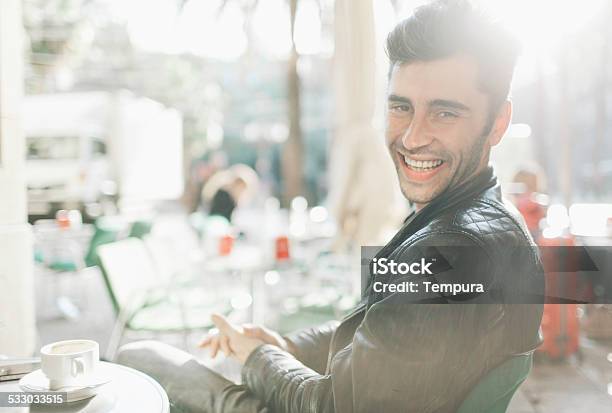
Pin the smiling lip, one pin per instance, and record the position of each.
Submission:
(420, 170)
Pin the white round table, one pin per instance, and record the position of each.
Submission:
(128, 391)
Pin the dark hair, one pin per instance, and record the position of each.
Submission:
(445, 28)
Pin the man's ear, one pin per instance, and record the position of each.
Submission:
(501, 123)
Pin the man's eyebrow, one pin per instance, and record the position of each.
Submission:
(445, 103)
(397, 98)
(453, 104)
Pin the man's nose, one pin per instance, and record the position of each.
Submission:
(417, 135)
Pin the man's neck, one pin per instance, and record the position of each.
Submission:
(419, 206)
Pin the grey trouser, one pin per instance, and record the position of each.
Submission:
(190, 385)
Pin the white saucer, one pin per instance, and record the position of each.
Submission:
(88, 387)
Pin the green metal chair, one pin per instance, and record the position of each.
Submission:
(492, 394)
(107, 230)
(140, 228)
(146, 302)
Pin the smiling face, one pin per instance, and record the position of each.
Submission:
(437, 128)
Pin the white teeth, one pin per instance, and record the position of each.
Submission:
(422, 164)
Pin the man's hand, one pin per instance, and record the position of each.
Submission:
(231, 339)
(268, 336)
(217, 340)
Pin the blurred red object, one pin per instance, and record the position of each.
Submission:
(531, 210)
(282, 248)
(226, 243)
(63, 219)
(560, 328)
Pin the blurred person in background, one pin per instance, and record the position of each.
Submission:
(227, 189)
(202, 170)
(528, 199)
(449, 79)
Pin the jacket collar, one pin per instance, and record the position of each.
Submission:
(450, 199)
(446, 201)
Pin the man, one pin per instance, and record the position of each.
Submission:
(449, 81)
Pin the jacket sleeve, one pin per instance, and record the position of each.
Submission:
(311, 345)
(285, 384)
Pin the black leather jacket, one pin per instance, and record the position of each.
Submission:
(399, 354)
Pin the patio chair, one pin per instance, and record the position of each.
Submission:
(145, 301)
(492, 394)
(107, 230)
(65, 256)
(140, 228)
(59, 254)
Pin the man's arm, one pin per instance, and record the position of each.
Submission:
(311, 345)
(404, 356)
(285, 384)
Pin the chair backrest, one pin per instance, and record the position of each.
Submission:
(128, 270)
(163, 257)
(493, 392)
(140, 228)
(107, 230)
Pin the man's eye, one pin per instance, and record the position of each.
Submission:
(447, 115)
(400, 108)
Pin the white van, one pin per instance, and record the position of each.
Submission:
(81, 145)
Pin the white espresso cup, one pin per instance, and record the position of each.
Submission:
(66, 363)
